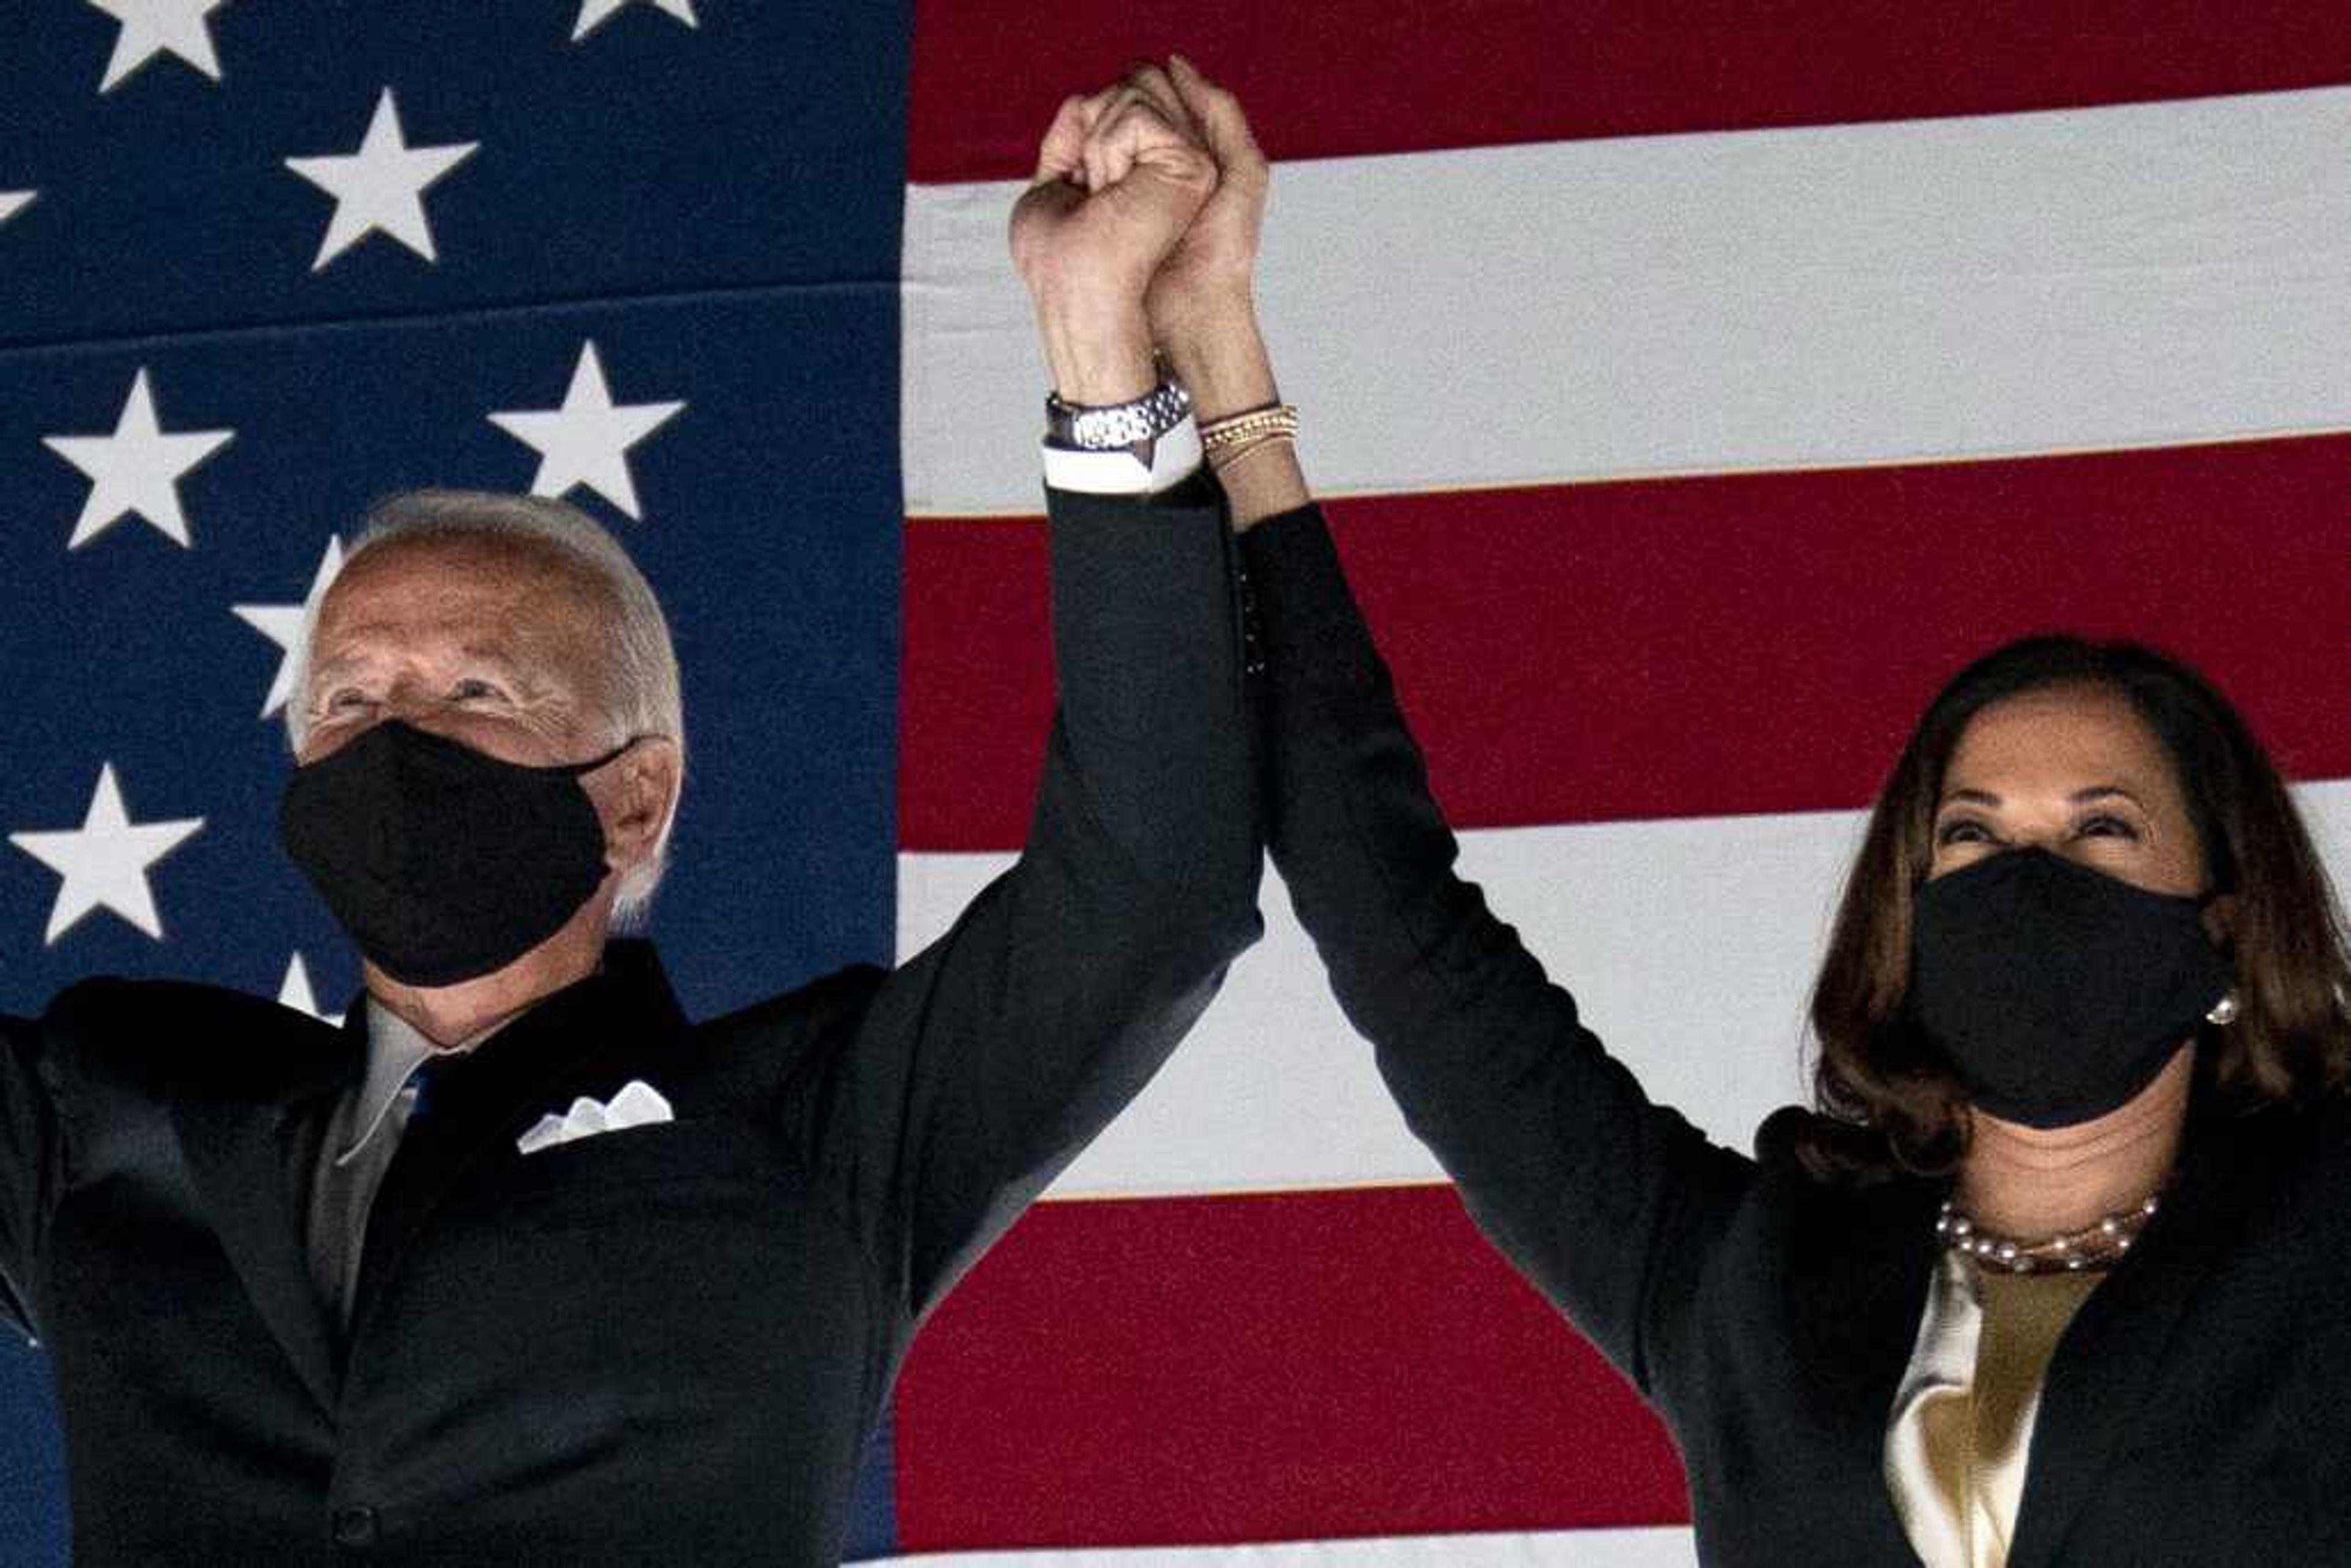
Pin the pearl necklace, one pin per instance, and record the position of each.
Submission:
(2094, 1246)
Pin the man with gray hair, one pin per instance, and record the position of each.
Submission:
(521, 1265)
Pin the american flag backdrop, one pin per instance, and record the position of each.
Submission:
(1695, 391)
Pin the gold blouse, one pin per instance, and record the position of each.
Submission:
(1962, 1427)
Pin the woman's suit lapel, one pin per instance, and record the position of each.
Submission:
(2110, 1366)
(1867, 1283)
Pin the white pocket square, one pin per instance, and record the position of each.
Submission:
(637, 1104)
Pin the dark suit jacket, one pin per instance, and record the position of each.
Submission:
(2199, 1411)
(668, 1343)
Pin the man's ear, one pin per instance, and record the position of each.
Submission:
(636, 797)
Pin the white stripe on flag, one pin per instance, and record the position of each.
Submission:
(2150, 274)
(1690, 946)
(1669, 1548)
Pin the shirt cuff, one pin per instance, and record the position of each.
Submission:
(1121, 471)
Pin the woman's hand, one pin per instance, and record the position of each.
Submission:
(1203, 303)
(1208, 281)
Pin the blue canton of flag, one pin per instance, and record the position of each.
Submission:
(264, 264)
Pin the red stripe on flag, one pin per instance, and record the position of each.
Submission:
(975, 684)
(1227, 1369)
(1700, 647)
(1395, 78)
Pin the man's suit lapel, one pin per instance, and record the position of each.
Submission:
(2108, 1367)
(481, 1101)
(251, 1138)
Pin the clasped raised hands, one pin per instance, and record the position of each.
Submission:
(1120, 177)
(1142, 220)
(1140, 230)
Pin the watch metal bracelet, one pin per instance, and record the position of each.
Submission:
(1105, 428)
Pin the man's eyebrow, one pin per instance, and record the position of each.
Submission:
(489, 654)
(330, 669)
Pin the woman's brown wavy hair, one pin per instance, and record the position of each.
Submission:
(1889, 1100)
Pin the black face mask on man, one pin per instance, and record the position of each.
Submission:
(2057, 992)
(443, 863)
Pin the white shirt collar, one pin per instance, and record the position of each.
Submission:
(395, 1050)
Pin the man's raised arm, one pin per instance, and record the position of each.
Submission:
(980, 1068)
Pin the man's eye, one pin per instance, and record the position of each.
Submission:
(346, 699)
(471, 690)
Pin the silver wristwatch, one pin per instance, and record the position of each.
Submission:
(1107, 427)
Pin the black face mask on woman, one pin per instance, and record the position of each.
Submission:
(443, 863)
(2058, 992)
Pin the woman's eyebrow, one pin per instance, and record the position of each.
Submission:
(2079, 797)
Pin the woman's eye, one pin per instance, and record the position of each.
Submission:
(1964, 831)
(2106, 828)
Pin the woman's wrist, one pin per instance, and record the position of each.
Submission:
(1216, 351)
(1262, 482)
(1213, 345)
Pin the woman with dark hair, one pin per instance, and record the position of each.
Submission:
(2280, 1034)
(2056, 1271)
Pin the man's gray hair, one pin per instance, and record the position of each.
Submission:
(641, 689)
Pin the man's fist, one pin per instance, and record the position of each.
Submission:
(1120, 178)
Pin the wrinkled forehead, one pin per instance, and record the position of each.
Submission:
(524, 599)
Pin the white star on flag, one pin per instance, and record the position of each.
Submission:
(135, 470)
(283, 623)
(381, 186)
(15, 202)
(295, 992)
(104, 861)
(151, 27)
(595, 14)
(586, 440)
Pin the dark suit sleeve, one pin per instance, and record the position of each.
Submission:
(32, 1156)
(984, 1064)
(1593, 1192)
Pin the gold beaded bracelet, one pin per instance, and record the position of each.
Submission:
(1232, 453)
(1247, 426)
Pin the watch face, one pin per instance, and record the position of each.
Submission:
(1104, 427)
(1123, 427)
